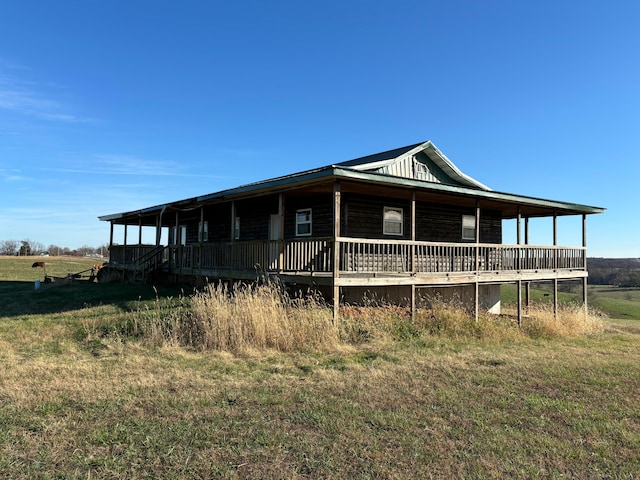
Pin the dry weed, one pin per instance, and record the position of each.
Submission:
(261, 317)
(571, 321)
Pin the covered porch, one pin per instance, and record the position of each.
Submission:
(348, 248)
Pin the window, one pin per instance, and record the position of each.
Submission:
(303, 222)
(468, 227)
(180, 235)
(236, 231)
(203, 231)
(392, 221)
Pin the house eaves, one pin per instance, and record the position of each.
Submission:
(562, 208)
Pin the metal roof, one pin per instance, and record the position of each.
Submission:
(360, 170)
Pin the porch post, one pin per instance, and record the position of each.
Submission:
(233, 235)
(281, 232)
(159, 226)
(519, 282)
(125, 234)
(476, 307)
(233, 221)
(518, 239)
(176, 241)
(201, 226)
(157, 230)
(519, 303)
(336, 250)
(413, 253)
(584, 253)
(110, 234)
(555, 265)
(527, 285)
(140, 231)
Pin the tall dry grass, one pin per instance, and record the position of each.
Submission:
(240, 318)
(260, 316)
(540, 321)
(249, 317)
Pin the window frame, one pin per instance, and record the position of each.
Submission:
(308, 222)
(466, 228)
(179, 235)
(203, 231)
(399, 210)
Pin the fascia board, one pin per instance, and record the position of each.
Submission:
(448, 166)
(296, 179)
(467, 191)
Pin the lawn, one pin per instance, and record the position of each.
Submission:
(77, 401)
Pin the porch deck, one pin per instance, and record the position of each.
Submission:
(361, 262)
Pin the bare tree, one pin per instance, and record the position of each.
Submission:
(8, 247)
(85, 250)
(55, 250)
(37, 248)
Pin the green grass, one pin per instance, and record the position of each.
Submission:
(616, 302)
(80, 401)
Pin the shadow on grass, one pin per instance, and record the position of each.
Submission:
(22, 298)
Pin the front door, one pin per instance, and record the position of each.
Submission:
(274, 235)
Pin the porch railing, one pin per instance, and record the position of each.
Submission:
(358, 255)
(129, 254)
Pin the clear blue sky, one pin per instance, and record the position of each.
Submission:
(108, 106)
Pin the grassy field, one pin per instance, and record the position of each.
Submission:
(79, 399)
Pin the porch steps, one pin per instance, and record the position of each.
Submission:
(148, 264)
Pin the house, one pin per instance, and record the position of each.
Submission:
(392, 223)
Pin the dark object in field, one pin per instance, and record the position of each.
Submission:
(37, 264)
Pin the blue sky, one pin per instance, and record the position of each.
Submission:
(108, 106)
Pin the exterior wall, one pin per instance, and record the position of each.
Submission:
(464, 295)
(362, 216)
(219, 218)
(321, 206)
(254, 216)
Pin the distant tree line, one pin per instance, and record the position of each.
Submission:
(28, 248)
(619, 272)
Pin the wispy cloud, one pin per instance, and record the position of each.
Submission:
(130, 165)
(13, 175)
(28, 98)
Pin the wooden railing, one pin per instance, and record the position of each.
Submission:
(400, 256)
(307, 255)
(129, 254)
(358, 255)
